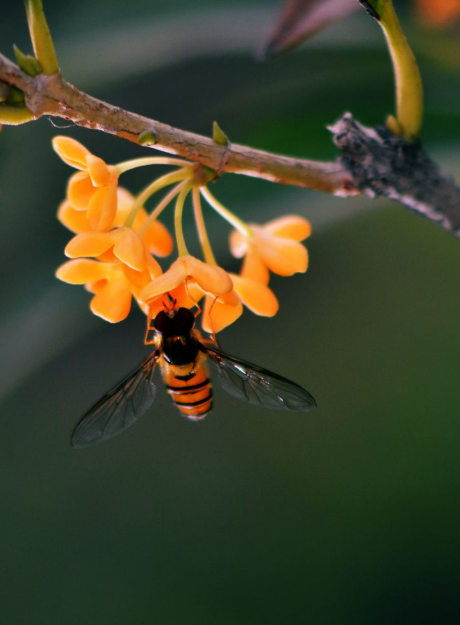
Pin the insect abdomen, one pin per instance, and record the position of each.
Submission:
(190, 390)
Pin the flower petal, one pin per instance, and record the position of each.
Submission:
(90, 244)
(80, 190)
(257, 297)
(282, 256)
(83, 270)
(157, 239)
(171, 279)
(98, 170)
(71, 151)
(238, 244)
(218, 314)
(72, 219)
(125, 202)
(102, 207)
(129, 249)
(289, 227)
(254, 268)
(113, 301)
(210, 278)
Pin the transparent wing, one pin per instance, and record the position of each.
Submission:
(257, 386)
(119, 408)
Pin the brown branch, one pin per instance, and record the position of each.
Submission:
(53, 96)
(380, 163)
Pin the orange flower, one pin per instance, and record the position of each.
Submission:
(185, 281)
(220, 312)
(156, 238)
(439, 12)
(113, 284)
(275, 247)
(94, 188)
(122, 269)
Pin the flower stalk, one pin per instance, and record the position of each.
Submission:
(409, 90)
(40, 35)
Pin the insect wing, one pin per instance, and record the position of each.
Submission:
(119, 408)
(257, 386)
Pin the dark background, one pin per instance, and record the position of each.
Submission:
(348, 515)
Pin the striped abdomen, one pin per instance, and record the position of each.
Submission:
(190, 388)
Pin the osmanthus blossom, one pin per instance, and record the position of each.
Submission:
(186, 281)
(274, 247)
(222, 311)
(116, 244)
(156, 237)
(94, 188)
(114, 265)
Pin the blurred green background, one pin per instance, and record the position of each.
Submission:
(348, 515)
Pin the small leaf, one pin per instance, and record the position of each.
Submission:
(218, 135)
(147, 138)
(301, 19)
(27, 63)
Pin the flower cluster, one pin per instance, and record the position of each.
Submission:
(117, 243)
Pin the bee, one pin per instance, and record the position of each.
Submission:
(183, 355)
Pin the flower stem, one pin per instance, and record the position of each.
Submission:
(409, 90)
(152, 188)
(201, 227)
(125, 166)
(159, 208)
(232, 219)
(41, 37)
(181, 246)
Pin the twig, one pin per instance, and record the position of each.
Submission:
(53, 96)
(382, 164)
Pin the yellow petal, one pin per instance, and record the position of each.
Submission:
(153, 267)
(254, 268)
(73, 219)
(130, 249)
(282, 256)
(210, 278)
(157, 239)
(113, 301)
(98, 170)
(90, 244)
(257, 297)
(238, 244)
(83, 270)
(125, 202)
(137, 279)
(80, 190)
(218, 314)
(171, 279)
(102, 207)
(289, 227)
(71, 151)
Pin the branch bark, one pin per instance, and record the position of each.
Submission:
(381, 164)
(53, 96)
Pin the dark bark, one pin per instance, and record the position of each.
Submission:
(382, 164)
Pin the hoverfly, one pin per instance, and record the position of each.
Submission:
(182, 355)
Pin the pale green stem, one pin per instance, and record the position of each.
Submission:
(180, 239)
(159, 208)
(121, 168)
(201, 228)
(232, 219)
(41, 37)
(155, 186)
(409, 90)
(15, 115)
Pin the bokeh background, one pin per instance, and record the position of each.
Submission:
(348, 515)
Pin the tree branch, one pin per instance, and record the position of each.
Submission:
(381, 163)
(53, 96)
